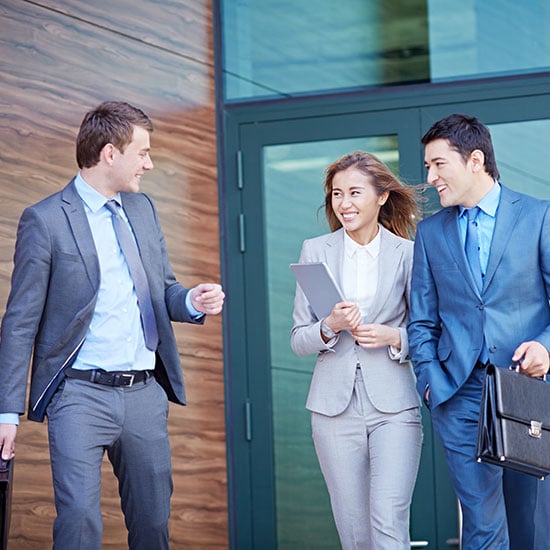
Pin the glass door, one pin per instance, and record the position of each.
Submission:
(283, 164)
(277, 495)
(293, 195)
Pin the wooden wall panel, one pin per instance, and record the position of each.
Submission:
(58, 59)
(179, 26)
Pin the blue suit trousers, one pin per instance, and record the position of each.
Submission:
(510, 513)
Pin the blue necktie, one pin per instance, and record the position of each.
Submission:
(137, 272)
(472, 245)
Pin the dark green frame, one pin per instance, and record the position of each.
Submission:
(243, 130)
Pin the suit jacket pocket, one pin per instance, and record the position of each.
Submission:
(65, 256)
(438, 267)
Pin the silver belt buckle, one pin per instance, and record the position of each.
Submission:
(130, 377)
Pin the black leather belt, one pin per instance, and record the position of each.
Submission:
(119, 378)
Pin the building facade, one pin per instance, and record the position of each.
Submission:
(298, 86)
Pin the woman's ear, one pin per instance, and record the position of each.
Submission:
(383, 198)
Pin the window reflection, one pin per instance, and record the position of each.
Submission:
(293, 191)
(521, 151)
(291, 47)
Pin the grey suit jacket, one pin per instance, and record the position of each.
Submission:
(55, 283)
(449, 316)
(390, 383)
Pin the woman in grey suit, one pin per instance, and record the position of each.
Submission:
(364, 407)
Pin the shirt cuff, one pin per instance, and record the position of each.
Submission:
(9, 418)
(395, 354)
(192, 311)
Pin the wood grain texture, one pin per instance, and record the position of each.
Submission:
(179, 26)
(58, 59)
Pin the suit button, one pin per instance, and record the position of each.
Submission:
(492, 349)
(481, 307)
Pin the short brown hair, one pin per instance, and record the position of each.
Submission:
(465, 134)
(398, 214)
(111, 122)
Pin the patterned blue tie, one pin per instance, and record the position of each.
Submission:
(472, 245)
(137, 272)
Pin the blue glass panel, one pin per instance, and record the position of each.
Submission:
(290, 47)
(522, 151)
(293, 191)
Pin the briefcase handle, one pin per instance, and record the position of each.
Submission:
(4, 464)
(515, 366)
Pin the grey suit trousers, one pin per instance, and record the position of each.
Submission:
(369, 460)
(130, 423)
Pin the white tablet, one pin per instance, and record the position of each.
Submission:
(319, 286)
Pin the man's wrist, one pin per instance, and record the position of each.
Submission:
(9, 418)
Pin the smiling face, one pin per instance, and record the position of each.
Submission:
(127, 167)
(356, 204)
(458, 182)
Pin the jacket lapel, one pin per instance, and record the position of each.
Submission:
(391, 255)
(141, 230)
(334, 254)
(74, 210)
(508, 213)
(456, 248)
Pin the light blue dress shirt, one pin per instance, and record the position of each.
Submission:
(486, 219)
(115, 340)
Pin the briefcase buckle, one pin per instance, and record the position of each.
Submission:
(536, 429)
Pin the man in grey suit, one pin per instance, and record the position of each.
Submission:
(480, 289)
(94, 313)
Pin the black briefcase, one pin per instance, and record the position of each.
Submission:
(6, 486)
(514, 422)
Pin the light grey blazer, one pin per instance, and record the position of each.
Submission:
(390, 383)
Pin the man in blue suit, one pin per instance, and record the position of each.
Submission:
(480, 289)
(92, 298)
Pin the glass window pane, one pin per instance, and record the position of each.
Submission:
(293, 191)
(522, 154)
(290, 47)
(471, 38)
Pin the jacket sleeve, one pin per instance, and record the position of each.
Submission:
(544, 255)
(174, 292)
(29, 287)
(403, 354)
(424, 327)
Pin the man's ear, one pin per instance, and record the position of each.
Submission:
(477, 158)
(107, 154)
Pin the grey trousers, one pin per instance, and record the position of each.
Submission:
(369, 460)
(130, 423)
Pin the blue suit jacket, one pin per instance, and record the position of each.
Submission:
(55, 282)
(449, 316)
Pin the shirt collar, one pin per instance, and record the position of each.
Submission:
(91, 198)
(489, 203)
(351, 247)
